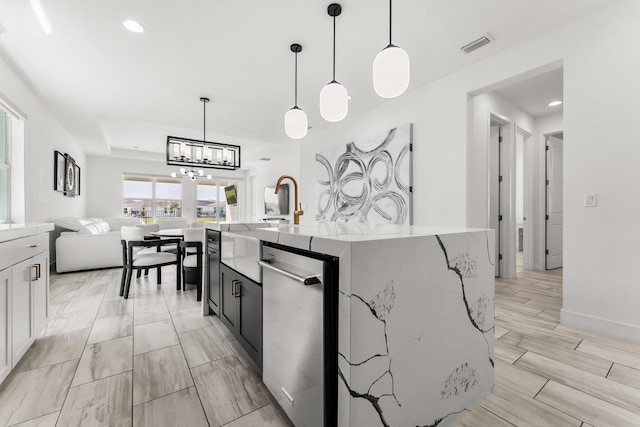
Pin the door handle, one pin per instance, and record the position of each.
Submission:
(305, 280)
(37, 272)
(237, 294)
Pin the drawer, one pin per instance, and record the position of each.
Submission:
(14, 251)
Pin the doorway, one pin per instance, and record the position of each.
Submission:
(553, 200)
(497, 131)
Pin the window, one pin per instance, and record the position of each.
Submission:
(149, 198)
(214, 203)
(5, 168)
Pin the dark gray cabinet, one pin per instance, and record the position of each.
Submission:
(241, 310)
(213, 278)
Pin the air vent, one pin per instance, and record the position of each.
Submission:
(477, 44)
(265, 159)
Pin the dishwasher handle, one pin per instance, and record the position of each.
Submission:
(305, 280)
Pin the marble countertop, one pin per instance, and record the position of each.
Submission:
(236, 226)
(366, 232)
(334, 238)
(16, 231)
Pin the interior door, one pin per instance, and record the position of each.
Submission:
(554, 203)
(494, 189)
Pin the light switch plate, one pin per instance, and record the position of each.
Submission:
(590, 200)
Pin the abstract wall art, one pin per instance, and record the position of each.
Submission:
(366, 181)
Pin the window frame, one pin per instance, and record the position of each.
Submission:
(220, 183)
(6, 165)
(153, 179)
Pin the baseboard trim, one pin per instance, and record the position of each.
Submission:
(596, 325)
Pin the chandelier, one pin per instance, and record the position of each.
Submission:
(193, 155)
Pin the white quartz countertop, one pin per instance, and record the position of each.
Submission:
(236, 226)
(333, 238)
(364, 232)
(16, 231)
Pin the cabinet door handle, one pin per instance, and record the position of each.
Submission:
(37, 273)
(233, 287)
(35, 245)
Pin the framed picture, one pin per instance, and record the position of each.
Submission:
(59, 163)
(77, 180)
(70, 177)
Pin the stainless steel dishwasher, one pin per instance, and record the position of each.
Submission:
(300, 339)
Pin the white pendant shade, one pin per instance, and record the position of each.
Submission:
(295, 123)
(334, 102)
(391, 72)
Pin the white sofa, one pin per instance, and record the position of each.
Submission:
(90, 243)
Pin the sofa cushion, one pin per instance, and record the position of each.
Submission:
(94, 226)
(69, 223)
(116, 223)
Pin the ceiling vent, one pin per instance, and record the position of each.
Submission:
(477, 44)
(265, 159)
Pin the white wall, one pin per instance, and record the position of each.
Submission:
(43, 134)
(285, 161)
(104, 184)
(480, 107)
(601, 66)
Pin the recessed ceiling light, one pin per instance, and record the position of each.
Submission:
(133, 26)
(554, 103)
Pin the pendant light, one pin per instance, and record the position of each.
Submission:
(391, 69)
(334, 99)
(295, 120)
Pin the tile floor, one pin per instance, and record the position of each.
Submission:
(151, 360)
(547, 375)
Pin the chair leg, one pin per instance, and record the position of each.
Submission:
(122, 281)
(199, 284)
(128, 283)
(159, 275)
(146, 271)
(138, 274)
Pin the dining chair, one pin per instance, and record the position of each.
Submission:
(191, 248)
(139, 254)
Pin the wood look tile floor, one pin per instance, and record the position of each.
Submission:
(549, 375)
(153, 360)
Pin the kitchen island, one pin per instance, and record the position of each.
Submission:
(415, 319)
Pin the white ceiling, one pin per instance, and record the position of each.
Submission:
(113, 89)
(534, 95)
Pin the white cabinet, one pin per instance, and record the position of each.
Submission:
(24, 298)
(5, 321)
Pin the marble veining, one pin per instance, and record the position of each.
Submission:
(419, 345)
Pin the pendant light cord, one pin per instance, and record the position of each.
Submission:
(334, 48)
(390, 9)
(295, 104)
(204, 121)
